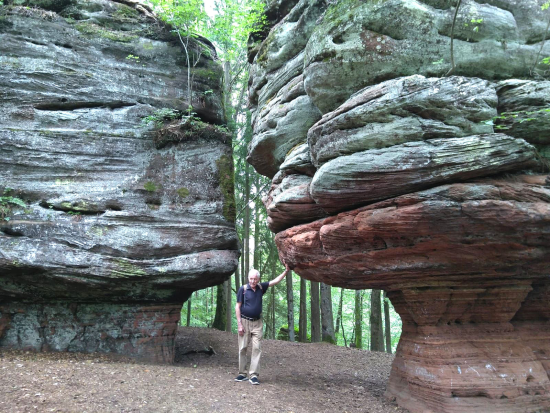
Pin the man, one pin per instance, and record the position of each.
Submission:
(249, 319)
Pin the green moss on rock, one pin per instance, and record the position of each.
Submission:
(150, 186)
(183, 192)
(91, 30)
(227, 186)
(127, 269)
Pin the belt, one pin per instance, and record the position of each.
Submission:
(250, 318)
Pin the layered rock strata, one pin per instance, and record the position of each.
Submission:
(116, 232)
(432, 188)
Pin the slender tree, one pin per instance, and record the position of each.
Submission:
(290, 306)
(188, 312)
(387, 322)
(220, 317)
(228, 313)
(327, 323)
(302, 322)
(376, 333)
(358, 319)
(339, 315)
(315, 312)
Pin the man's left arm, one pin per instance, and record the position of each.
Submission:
(277, 280)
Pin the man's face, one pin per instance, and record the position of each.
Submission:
(253, 280)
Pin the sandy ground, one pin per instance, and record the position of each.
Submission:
(295, 377)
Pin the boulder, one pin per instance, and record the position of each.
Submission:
(359, 44)
(404, 110)
(524, 110)
(284, 43)
(412, 191)
(365, 177)
(115, 232)
(471, 289)
(289, 203)
(281, 125)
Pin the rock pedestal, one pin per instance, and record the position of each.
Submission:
(117, 223)
(388, 173)
(141, 331)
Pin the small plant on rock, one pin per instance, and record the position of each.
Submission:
(7, 202)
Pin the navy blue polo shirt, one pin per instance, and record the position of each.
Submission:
(252, 304)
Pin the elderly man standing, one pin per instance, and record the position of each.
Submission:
(249, 319)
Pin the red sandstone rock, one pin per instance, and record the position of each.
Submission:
(466, 267)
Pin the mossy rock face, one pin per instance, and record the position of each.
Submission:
(52, 5)
(92, 30)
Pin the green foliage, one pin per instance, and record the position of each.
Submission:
(160, 116)
(475, 23)
(7, 202)
(190, 128)
(133, 58)
(234, 22)
(506, 119)
(188, 16)
(545, 5)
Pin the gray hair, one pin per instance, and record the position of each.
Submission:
(253, 273)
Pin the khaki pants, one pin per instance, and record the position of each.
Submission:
(254, 330)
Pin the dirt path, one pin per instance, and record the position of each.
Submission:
(295, 378)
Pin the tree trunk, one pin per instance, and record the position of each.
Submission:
(188, 312)
(387, 323)
(302, 332)
(246, 223)
(257, 251)
(228, 315)
(290, 305)
(226, 90)
(237, 279)
(339, 315)
(220, 317)
(315, 313)
(327, 320)
(267, 318)
(358, 319)
(273, 312)
(376, 333)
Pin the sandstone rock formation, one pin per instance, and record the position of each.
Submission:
(116, 233)
(429, 187)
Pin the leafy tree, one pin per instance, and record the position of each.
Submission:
(188, 18)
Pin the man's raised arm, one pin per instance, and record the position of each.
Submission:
(277, 280)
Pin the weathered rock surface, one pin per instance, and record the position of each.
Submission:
(281, 125)
(116, 234)
(465, 260)
(449, 232)
(363, 43)
(404, 110)
(289, 203)
(284, 44)
(368, 176)
(459, 261)
(524, 108)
